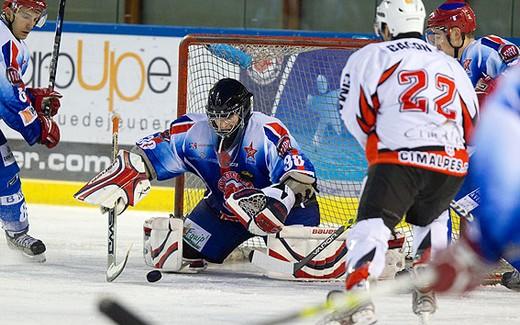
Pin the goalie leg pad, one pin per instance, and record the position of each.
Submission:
(328, 265)
(162, 243)
(297, 241)
(264, 211)
(124, 183)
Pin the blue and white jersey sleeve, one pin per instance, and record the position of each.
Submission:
(15, 106)
(283, 152)
(496, 170)
(165, 150)
(489, 56)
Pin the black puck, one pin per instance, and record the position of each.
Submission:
(154, 276)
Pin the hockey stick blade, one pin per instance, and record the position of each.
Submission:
(114, 269)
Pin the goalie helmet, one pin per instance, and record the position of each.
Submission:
(400, 16)
(229, 110)
(36, 5)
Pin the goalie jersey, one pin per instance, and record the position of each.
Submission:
(408, 103)
(266, 153)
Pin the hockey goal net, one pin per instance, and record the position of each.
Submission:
(296, 79)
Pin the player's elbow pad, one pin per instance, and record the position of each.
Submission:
(125, 182)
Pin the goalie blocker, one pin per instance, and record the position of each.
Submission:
(125, 182)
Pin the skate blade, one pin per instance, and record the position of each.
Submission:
(424, 318)
(40, 258)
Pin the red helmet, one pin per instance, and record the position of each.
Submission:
(37, 5)
(454, 13)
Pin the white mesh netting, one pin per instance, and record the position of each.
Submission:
(298, 84)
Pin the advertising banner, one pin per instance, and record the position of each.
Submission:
(98, 74)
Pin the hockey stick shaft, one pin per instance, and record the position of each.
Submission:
(57, 41)
(324, 244)
(112, 218)
(55, 53)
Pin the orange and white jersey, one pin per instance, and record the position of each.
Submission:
(408, 103)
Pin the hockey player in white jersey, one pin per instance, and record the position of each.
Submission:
(22, 109)
(257, 180)
(412, 109)
(451, 27)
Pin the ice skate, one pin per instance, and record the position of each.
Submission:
(30, 247)
(424, 303)
(364, 313)
(511, 280)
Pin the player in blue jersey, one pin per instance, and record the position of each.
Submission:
(496, 232)
(22, 109)
(451, 28)
(257, 179)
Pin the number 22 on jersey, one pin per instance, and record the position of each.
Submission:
(410, 98)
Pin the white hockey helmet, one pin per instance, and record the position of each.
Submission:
(401, 16)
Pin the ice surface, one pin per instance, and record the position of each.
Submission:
(67, 288)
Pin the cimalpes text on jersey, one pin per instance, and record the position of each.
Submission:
(105, 123)
(433, 160)
(404, 45)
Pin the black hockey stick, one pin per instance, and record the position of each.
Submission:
(118, 313)
(55, 52)
(114, 269)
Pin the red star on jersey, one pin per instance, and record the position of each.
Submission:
(250, 151)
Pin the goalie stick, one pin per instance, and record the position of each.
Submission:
(265, 261)
(114, 269)
(55, 52)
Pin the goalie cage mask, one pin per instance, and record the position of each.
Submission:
(226, 98)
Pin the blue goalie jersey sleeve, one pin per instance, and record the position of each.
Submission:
(496, 170)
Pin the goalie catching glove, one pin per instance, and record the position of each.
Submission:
(124, 183)
(264, 211)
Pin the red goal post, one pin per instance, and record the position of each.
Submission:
(295, 79)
